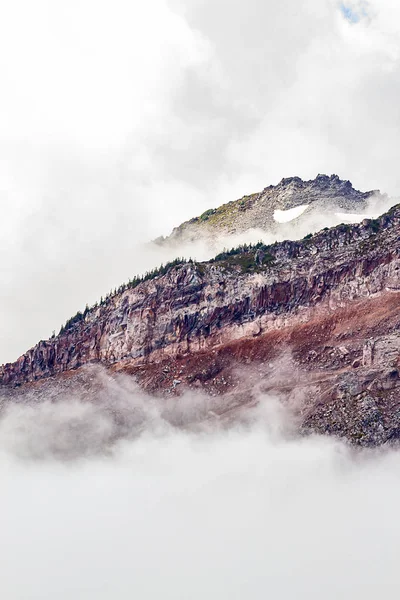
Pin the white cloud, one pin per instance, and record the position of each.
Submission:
(249, 511)
(119, 120)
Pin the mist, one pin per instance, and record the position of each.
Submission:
(119, 121)
(242, 509)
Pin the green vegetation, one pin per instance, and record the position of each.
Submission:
(241, 249)
(132, 283)
(224, 215)
(72, 321)
(375, 225)
(244, 256)
(207, 214)
(249, 257)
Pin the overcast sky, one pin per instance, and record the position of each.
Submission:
(120, 119)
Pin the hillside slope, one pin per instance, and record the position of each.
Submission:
(307, 205)
(316, 321)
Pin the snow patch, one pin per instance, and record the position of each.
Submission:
(284, 216)
(355, 217)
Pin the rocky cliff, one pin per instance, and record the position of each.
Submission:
(316, 321)
(307, 205)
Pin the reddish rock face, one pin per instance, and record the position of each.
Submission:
(329, 301)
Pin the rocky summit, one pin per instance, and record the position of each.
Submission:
(291, 207)
(315, 322)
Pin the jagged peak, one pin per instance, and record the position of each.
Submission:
(289, 180)
(326, 194)
(321, 178)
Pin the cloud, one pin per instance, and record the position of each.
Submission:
(250, 510)
(84, 88)
(117, 122)
(120, 121)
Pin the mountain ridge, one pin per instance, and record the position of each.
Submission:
(327, 306)
(319, 196)
(245, 260)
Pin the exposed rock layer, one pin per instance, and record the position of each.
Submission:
(316, 321)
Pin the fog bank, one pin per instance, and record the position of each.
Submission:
(248, 511)
(120, 120)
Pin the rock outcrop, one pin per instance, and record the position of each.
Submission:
(309, 205)
(316, 321)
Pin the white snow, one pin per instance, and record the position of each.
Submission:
(355, 217)
(284, 216)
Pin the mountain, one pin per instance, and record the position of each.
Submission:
(315, 321)
(305, 205)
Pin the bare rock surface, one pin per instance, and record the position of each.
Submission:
(315, 322)
(325, 200)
